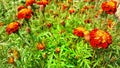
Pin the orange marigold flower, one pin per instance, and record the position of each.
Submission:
(20, 7)
(80, 31)
(109, 7)
(40, 46)
(57, 50)
(64, 7)
(49, 25)
(43, 2)
(71, 11)
(100, 39)
(16, 54)
(12, 27)
(24, 13)
(29, 2)
(11, 60)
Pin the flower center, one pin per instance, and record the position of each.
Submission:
(111, 4)
(101, 35)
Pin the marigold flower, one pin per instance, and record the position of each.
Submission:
(40, 46)
(16, 54)
(43, 2)
(71, 11)
(29, 2)
(79, 31)
(49, 25)
(57, 50)
(109, 7)
(64, 7)
(100, 39)
(20, 7)
(11, 60)
(24, 13)
(12, 27)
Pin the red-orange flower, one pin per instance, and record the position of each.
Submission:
(100, 39)
(29, 2)
(12, 27)
(20, 7)
(57, 50)
(64, 7)
(11, 60)
(43, 2)
(71, 11)
(80, 31)
(40, 46)
(109, 7)
(24, 13)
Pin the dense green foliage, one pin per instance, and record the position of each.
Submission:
(75, 52)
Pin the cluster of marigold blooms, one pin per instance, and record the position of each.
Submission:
(98, 38)
(109, 7)
(15, 56)
(23, 13)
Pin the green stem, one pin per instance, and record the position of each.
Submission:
(58, 60)
(105, 22)
(93, 57)
(30, 31)
(43, 13)
(25, 41)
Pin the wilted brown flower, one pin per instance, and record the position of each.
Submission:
(88, 20)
